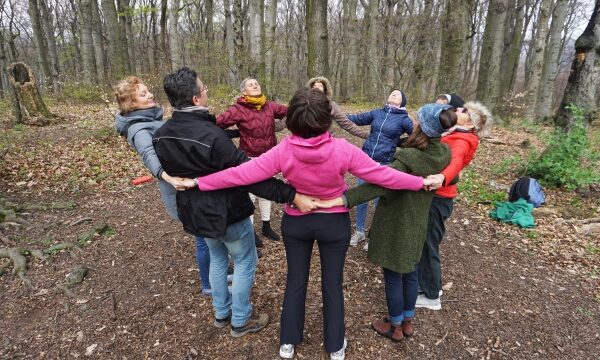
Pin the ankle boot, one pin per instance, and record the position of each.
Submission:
(268, 232)
(407, 327)
(258, 241)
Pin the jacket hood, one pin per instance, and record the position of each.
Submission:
(314, 150)
(123, 122)
(325, 81)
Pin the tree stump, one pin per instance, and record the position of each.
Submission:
(28, 106)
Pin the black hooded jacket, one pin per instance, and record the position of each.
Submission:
(191, 145)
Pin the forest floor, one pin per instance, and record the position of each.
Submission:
(509, 293)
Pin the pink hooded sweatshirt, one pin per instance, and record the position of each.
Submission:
(315, 167)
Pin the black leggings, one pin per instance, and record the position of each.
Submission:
(332, 232)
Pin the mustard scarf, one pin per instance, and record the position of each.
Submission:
(257, 101)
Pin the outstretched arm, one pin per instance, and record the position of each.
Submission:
(340, 118)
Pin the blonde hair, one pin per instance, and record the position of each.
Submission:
(243, 84)
(125, 93)
(481, 118)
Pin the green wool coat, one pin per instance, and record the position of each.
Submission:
(399, 226)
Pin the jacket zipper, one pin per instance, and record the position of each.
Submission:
(379, 135)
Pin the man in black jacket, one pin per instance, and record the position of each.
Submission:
(192, 145)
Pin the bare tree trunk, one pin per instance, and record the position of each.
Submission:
(40, 43)
(488, 84)
(87, 42)
(551, 61)
(133, 64)
(176, 56)
(270, 23)
(537, 66)
(372, 58)
(47, 21)
(349, 58)
(112, 27)
(454, 45)
(238, 28)
(233, 73)
(514, 50)
(255, 41)
(99, 51)
(317, 38)
(581, 88)
(123, 8)
(4, 86)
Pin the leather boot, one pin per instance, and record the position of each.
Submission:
(407, 328)
(268, 232)
(258, 241)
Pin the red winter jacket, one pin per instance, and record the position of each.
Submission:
(257, 128)
(462, 147)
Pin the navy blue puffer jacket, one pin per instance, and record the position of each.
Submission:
(387, 125)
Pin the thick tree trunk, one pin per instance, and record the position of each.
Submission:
(164, 48)
(233, 73)
(537, 65)
(40, 42)
(454, 45)
(99, 51)
(551, 61)
(112, 27)
(317, 38)
(123, 8)
(28, 106)
(87, 42)
(372, 58)
(255, 25)
(514, 50)
(48, 22)
(581, 88)
(488, 83)
(176, 56)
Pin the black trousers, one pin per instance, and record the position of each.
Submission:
(332, 232)
(430, 267)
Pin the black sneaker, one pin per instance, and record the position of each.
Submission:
(256, 323)
(221, 323)
(258, 241)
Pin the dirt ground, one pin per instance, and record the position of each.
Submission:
(508, 293)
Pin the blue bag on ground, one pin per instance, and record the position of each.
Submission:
(529, 189)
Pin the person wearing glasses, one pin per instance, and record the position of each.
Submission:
(255, 116)
(474, 121)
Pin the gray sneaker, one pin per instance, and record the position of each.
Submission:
(431, 304)
(340, 354)
(221, 323)
(357, 237)
(256, 323)
(286, 351)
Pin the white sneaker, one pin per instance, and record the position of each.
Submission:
(340, 354)
(357, 237)
(286, 351)
(366, 247)
(431, 304)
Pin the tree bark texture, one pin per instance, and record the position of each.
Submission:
(28, 106)
(255, 24)
(40, 42)
(87, 42)
(112, 28)
(454, 45)
(537, 65)
(581, 87)
(48, 23)
(551, 61)
(99, 51)
(176, 54)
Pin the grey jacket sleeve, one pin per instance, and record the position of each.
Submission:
(340, 118)
(280, 124)
(142, 142)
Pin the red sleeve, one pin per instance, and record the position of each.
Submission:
(229, 118)
(279, 110)
(458, 150)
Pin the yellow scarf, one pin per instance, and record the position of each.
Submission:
(257, 101)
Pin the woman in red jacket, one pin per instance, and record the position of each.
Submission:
(474, 122)
(255, 117)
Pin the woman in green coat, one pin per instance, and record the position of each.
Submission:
(399, 226)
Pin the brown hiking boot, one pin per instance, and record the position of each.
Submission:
(386, 328)
(256, 323)
(407, 328)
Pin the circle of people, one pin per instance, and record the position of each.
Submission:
(408, 166)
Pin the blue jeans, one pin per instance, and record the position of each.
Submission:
(401, 291)
(203, 261)
(238, 242)
(361, 210)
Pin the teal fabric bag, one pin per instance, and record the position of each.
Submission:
(516, 213)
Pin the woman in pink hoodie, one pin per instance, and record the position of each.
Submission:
(314, 163)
